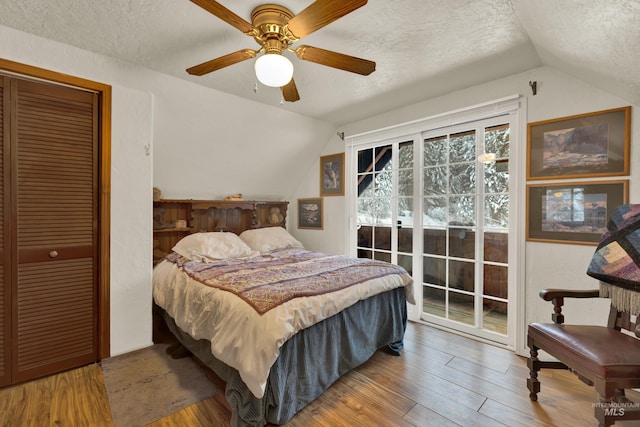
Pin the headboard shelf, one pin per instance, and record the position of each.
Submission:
(175, 218)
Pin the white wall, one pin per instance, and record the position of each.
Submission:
(331, 238)
(546, 265)
(189, 141)
(209, 144)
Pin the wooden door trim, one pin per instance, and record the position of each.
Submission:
(104, 232)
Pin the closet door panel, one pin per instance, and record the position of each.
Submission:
(55, 299)
(5, 283)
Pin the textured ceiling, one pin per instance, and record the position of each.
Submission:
(423, 48)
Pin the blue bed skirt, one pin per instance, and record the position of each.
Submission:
(311, 360)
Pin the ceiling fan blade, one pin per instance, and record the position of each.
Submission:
(290, 92)
(221, 62)
(225, 14)
(321, 13)
(336, 60)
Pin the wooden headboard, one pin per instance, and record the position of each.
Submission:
(175, 218)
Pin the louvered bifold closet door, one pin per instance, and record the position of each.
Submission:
(5, 282)
(55, 185)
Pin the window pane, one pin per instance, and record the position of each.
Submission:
(462, 210)
(496, 247)
(365, 161)
(382, 211)
(496, 211)
(496, 179)
(435, 180)
(462, 243)
(435, 211)
(461, 275)
(495, 281)
(494, 316)
(462, 147)
(405, 182)
(383, 184)
(382, 238)
(365, 254)
(434, 301)
(365, 237)
(496, 140)
(405, 155)
(365, 211)
(382, 256)
(434, 271)
(462, 178)
(435, 151)
(383, 158)
(405, 261)
(435, 241)
(365, 185)
(405, 211)
(405, 240)
(461, 308)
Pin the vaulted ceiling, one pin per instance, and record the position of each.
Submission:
(422, 48)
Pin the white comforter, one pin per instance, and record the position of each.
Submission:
(242, 338)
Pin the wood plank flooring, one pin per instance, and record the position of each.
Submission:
(441, 379)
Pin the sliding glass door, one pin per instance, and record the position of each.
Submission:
(437, 203)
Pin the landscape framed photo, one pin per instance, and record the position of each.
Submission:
(310, 213)
(332, 175)
(587, 145)
(573, 212)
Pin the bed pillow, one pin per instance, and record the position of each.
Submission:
(269, 238)
(205, 247)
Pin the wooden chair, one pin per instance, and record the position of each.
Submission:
(604, 357)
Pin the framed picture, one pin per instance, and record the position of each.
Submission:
(576, 212)
(587, 145)
(332, 175)
(310, 213)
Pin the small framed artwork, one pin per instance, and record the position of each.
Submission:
(332, 175)
(310, 213)
(586, 145)
(576, 212)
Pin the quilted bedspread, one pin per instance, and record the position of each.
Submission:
(266, 281)
(244, 307)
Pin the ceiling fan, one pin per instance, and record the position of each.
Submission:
(276, 28)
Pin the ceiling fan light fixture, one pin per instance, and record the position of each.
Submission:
(274, 70)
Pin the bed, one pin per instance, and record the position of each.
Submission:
(278, 323)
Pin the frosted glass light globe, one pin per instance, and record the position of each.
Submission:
(274, 70)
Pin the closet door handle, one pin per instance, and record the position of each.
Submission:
(53, 254)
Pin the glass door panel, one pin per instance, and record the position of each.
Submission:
(385, 203)
(465, 228)
(374, 213)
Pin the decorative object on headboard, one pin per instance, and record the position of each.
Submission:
(237, 196)
(616, 262)
(275, 217)
(157, 194)
(158, 219)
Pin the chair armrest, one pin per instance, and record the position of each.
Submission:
(550, 294)
(557, 296)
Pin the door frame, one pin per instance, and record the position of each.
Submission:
(515, 106)
(104, 222)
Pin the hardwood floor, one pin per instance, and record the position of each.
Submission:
(441, 379)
